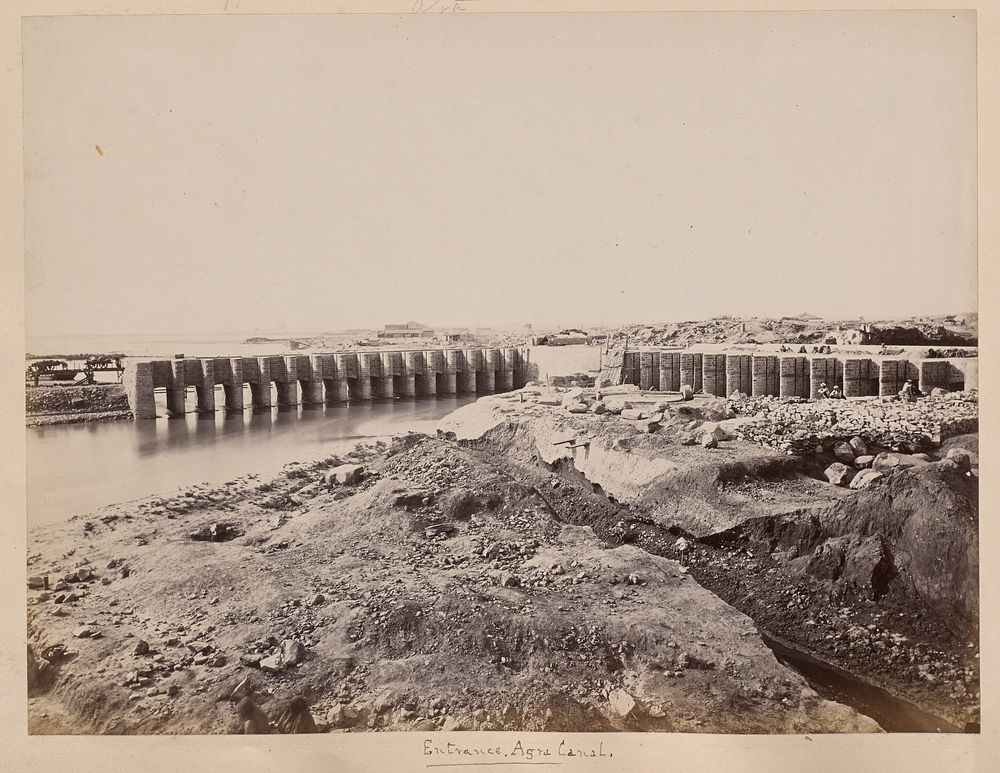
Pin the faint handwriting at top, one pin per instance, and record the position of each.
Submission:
(439, 6)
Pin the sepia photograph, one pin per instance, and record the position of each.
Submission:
(563, 373)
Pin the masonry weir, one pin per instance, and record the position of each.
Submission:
(315, 379)
(794, 375)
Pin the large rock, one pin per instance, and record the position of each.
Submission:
(865, 478)
(838, 474)
(342, 716)
(576, 407)
(631, 414)
(572, 396)
(647, 426)
(292, 652)
(858, 446)
(965, 459)
(687, 393)
(844, 453)
(885, 462)
(623, 704)
(708, 440)
(864, 461)
(345, 475)
(716, 430)
(868, 567)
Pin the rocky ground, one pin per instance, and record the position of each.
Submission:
(64, 404)
(522, 570)
(943, 331)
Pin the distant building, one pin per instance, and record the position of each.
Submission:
(409, 330)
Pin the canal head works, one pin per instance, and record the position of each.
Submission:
(322, 378)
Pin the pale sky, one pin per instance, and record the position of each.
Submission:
(320, 172)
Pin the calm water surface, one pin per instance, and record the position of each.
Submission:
(76, 468)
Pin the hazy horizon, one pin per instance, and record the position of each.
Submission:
(270, 174)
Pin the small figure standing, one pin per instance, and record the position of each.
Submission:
(906, 393)
(683, 547)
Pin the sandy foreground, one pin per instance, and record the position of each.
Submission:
(481, 579)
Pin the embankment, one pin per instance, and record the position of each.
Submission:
(57, 404)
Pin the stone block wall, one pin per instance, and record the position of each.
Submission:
(713, 374)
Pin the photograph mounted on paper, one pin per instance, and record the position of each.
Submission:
(526, 372)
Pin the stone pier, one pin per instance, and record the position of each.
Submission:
(778, 374)
(314, 379)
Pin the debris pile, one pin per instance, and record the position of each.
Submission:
(797, 426)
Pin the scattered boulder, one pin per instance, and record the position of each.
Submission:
(345, 475)
(844, 453)
(576, 407)
(868, 567)
(508, 580)
(631, 414)
(858, 446)
(688, 439)
(865, 478)
(215, 532)
(838, 474)
(885, 462)
(598, 408)
(342, 716)
(863, 461)
(708, 440)
(623, 704)
(37, 582)
(647, 426)
(687, 393)
(439, 529)
(292, 652)
(965, 459)
(141, 647)
(717, 430)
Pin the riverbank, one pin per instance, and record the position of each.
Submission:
(484, 583)
(54, 404)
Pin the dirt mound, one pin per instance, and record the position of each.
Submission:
(55, 404)
(394, 603)
(917, 527)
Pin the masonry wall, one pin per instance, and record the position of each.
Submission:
(317, 378)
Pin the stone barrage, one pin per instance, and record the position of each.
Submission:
(322, 378)
(762, 373)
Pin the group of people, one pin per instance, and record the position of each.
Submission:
(824, 392)
(908, 394)
(825, 349)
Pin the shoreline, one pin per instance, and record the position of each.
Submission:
(401, 525)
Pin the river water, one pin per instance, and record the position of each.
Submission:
(76, 468)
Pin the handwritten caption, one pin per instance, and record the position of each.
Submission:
(447, 753)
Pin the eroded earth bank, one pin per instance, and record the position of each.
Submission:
(525, 569)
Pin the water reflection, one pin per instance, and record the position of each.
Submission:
(73, 469)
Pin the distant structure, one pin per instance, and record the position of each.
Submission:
(805, 316)
(570, 337)
(409, 330)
